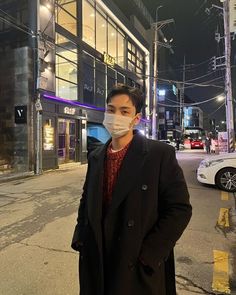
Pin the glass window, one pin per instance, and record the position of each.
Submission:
(111, 78)
(112, 41)
(101, 33)
(69, 6)
(120, 49)
(120, 78)
(66, 69)
(66, 48)
(88, 23)
(100, 90)
(88, 91)
(66, 20)
(66, 89)
(131, 66)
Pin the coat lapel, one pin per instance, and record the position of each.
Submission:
(130, 170)
(95, 192)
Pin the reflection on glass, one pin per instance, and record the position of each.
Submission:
(66, 140)
(112, 40)
(65, 20)
(66, 89)
(69, 6)
(88, 24)
(101, 33)
(120, 53)
(66, 69)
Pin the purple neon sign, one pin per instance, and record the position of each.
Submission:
(79, 104)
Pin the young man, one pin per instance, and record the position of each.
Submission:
(134, 207)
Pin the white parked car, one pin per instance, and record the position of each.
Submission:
(172, 143)
(219, 170)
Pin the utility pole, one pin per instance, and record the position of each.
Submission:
(157, 26)
(38, 105)
(182, 97)
(228, 81)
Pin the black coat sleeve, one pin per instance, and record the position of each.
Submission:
(77, 240)
(174, 212)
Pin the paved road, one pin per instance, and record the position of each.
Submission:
(195, 262)
(37, 217)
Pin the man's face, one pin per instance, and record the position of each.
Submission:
(123, 106)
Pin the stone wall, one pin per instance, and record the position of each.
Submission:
(16, 78)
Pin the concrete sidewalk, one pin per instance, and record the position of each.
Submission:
(37, 217)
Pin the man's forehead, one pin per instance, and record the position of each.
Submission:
(122, 99)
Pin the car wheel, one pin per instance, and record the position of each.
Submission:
(226, 179)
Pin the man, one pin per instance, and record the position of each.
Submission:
(208, 145)
(177, 144)
(134, 207)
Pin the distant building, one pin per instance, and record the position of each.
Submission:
(193, 121)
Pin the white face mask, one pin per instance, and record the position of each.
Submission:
(117, 125)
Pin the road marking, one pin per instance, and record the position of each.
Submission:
(221, 272)
(223, 219)
(224, 196)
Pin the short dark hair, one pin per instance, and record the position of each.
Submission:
(134, 94)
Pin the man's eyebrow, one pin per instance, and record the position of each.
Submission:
(122, 108)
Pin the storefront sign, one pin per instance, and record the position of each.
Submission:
(20, 114)
(223, 142)
(48, 138)
(69, 111)
(108, 59)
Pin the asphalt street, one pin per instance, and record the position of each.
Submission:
(37, 218)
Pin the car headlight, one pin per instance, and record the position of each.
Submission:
(205, 163)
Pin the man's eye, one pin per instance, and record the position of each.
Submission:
(110, 111)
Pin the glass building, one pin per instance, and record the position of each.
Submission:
(74, 52)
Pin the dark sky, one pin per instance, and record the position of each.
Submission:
(194, 37)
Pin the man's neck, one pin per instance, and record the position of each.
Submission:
(121, 142)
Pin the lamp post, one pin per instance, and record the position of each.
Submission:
(155, 55)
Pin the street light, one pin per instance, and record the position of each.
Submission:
(220, 98)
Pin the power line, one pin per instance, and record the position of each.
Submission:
(188, 104)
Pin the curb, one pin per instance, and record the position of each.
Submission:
(16, 176)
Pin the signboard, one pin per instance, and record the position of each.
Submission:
(69, 111)
(48, 138)
(108, 59)
(20, 114)
(232, 17)
(223, 142)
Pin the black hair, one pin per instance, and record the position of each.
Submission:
(134, 94)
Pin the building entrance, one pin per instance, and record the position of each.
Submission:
(66, 140)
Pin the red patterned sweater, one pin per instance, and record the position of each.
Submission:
(112, 165)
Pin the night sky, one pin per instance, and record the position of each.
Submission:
(194, 37)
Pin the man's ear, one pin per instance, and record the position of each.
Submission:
(137, 118)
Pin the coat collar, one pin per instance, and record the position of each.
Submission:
(138, 145)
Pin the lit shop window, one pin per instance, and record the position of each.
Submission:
(66, 15)
(112, 41)
(88, 23)
(66, 68)
(120, 49)
(135, 59)
(101, 33)
(66, 89)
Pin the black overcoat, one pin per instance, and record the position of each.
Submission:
(150, 210)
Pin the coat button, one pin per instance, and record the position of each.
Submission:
(144, 187)
(130, 223)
